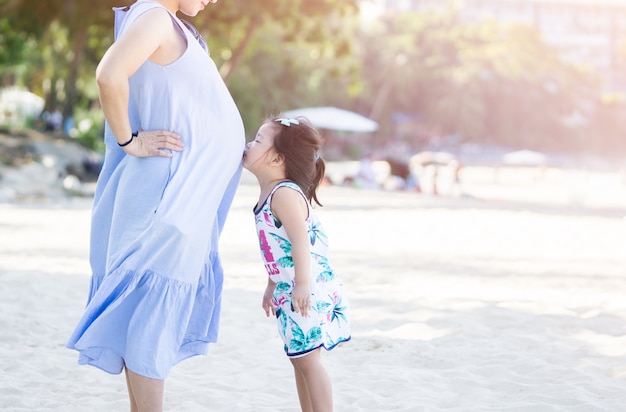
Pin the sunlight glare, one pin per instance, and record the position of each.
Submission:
(369, 11)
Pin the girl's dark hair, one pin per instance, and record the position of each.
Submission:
(300, 145)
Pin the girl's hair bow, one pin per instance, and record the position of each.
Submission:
(287, 122)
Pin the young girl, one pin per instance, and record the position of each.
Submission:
(302, 290)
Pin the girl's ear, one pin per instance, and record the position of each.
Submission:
(278, 159)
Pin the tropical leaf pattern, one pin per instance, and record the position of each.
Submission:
(286, 260)
(328, 323)
(326, 274)
(317, 232)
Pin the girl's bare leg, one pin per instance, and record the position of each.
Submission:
(303, 392)
(145, 393)
(318, 385)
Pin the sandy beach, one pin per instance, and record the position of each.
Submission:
(496, 301)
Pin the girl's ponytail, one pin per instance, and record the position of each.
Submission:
(320, 173)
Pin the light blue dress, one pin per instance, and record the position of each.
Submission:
(157, 278)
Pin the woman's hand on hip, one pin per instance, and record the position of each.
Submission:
(154, 143)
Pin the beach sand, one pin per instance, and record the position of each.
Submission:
(485, 302)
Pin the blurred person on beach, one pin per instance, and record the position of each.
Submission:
(54, 120)
(302, 290)
(434, 181)
(456, 188)
(366, 177)
(174, 139)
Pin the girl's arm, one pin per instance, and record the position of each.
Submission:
(268, 298)
(291, 209)
(143, 40)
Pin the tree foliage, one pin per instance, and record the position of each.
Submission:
(277, 55)
(485, 82)
(72, 35)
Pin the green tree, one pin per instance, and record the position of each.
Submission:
(277, 55)
(485, 81)
(62, 30)
(13, 49)
(72, 35)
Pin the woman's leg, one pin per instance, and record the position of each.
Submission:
(145, 393)
(319, 388)
(133, 404)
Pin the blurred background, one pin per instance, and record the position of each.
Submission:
(407, 92)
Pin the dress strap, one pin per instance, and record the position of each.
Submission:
(292, 185)
(287, 183)
(127, 14)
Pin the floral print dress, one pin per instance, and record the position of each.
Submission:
(328, 323)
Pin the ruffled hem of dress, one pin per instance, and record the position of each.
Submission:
(147, 322)
(323, 345)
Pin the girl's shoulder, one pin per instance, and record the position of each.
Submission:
(267, 202)
(293, 186)
(286, 197)
(287, 183)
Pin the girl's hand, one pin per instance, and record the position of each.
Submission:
(301, 299)
(154, 143)
(267, 303)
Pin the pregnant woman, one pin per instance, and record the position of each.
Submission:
(174, 140)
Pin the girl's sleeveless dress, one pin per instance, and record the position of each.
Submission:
(156, 274)
(328, 323)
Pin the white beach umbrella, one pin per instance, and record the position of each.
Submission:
(524, 158)
(431, 158)
(333, 118)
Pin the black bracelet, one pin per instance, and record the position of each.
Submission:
(135, 134)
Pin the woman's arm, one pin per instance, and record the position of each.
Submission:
(291, 209)
(143, 39)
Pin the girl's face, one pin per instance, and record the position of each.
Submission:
(259, 152)
(192, 7)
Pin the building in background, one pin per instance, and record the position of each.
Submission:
(587, 33)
